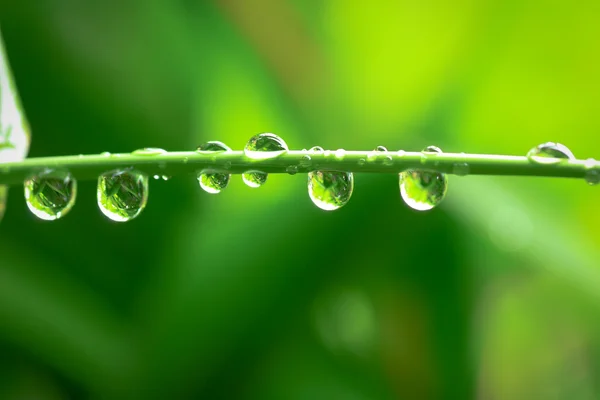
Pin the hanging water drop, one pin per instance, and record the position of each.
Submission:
(50, 195)
(149, 151)
(122, 194)
(254, 179)
(330, 190)
(213, 181)
(265, 145)
(550, 153)
(291, 169)
(592, 175)
(423, 190)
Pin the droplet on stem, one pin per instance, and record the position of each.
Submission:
(330, 190)
(423, 190)
(261, 147)
(214, 181)
(122, 194)
(149, 151)
(51, 194)
(550, 153)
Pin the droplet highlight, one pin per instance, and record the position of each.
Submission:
(149, 151)
(550, 153)
(51, 194)
(330, 190)
(122, 194)
(265, 145)
(423, 190)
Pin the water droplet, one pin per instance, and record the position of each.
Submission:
(461, 169)
(227, 165)
(122, 194)
(376, 152)
(549, 153)
(327, 153)
(340, 153)
(212, 147)
(317, 150)
(149, 151)
(292, 169)
(157, 177)
(362, 161)
(592, 176)
(401, 153)
(305, 161)
(165, 178)
(388, 160)
(265, 145)
(254, 179)
(50, 195)
(213, 181)
(186, 160)
(427, 151)
(381, 148)
(423, 190)
(330, 190)
(105, 154)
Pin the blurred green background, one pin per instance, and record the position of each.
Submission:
(258, 294)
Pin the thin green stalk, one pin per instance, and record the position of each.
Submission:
(89, 167)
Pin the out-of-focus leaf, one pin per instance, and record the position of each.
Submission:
(14, 130)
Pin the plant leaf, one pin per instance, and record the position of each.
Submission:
(14, 129)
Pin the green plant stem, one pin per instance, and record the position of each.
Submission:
(89, 167)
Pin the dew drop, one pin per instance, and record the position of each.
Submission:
(292, 169)
(327, 153)
(376, 152)
(340, 153)
(381, 148)
(227, 165)
(212, 147)
(431, 150)
(461, 169)
(305, 161)
(149, 151)
(157, 177)
(362, 161)
(105, 154)
(186, 160)
(166, 177)
(592, 176)
(317, 150)
(330, 190)
(549, 153)
(122, 194)
(265, 145)
(423, 190)
(254, 179)
(213, 181)
(388, 160)
(50, 195)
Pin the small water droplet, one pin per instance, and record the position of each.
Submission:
(105, 154)
(330, 190)
(317, 150)
(381, 148)
(292, 169)
(401, 153)
(186, 160)
(549, 153)
(50, 195)
(388, 160)
(122, 194)
(157, 177)
(305, 161)
(461, 169)
(423, 190)
(254, 179)
(227, 165)
(212, 147)
(592, 175)
(165, 178)
(429, 150)
(376, 152)
(362, 161)
(265, 145)
(340, 153)
(327, 153)
(213, 181)
(149, 151)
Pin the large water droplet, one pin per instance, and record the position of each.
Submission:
(149, 151)
(423, 190)
(213, 181)
(254, 179)
(265, 145)
(50, 195)
(330, 190)
(549, 153)
(122, 194)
